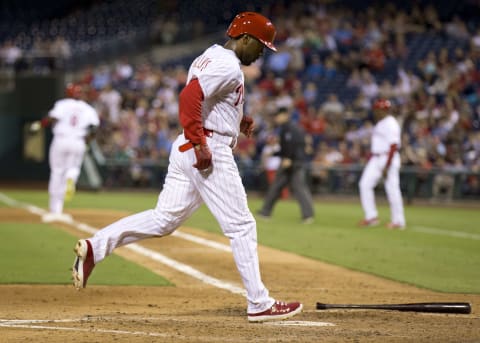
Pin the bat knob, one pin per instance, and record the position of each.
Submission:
(321, 306)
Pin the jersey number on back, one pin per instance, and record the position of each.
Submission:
(74, 120)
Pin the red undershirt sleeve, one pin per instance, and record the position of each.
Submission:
(46, 121)
(393, 149)
(190, 112)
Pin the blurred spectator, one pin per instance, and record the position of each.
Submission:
(310, 93)
(475, 40)
(110, 100)
(10, 53)
(332, 106)
(354, 79)
(330, 68)
(374, 57)
(315, 70)
(443, 181)
(369, 87)
(279, 61)
(315, 124)
(457, 28)
(60, 48)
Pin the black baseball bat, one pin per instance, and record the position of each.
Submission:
(434, 307)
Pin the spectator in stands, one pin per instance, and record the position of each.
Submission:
(279, 62)
(354, 79)
(457, 28)
(332, 107)
(60, 48)
(369, 87)
(123, 71)
(310, 93)
(330, 68)
(315, 124)
(386, 90)
(374, 57)
(10, 53)
(444, 179)
(315, 69)
(475, 40)
(110, 100)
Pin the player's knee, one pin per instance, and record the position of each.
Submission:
(363, 184)
(239, 227)
(166, 222)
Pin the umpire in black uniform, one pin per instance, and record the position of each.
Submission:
(292, 170)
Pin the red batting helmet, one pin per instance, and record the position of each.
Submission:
(382, 104)
(254, 24)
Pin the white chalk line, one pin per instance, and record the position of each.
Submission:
(202, 241)
(32, 324)
(35, 324)
(456, 234)
(298, 323)
(66, 328)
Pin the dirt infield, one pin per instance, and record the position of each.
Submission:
(196, 312)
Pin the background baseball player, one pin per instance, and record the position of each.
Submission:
(383, 163)
(74, 121)
(202, 167)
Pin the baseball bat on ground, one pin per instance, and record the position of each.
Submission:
(434, 307)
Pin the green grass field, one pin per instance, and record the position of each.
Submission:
(440, 250)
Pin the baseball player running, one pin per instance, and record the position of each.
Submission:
(202, 168)
(383, 163)
(74, 121)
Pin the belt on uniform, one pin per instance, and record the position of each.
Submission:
(228, 140)
(381, 153)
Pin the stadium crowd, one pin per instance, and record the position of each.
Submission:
(331, 64)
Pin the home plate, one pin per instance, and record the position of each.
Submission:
(299, 323)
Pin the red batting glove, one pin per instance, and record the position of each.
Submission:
(247, 126)
(203, 155)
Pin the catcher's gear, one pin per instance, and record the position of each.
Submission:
(247, 126)
(254, 24)
(382, 104)
(203, 155)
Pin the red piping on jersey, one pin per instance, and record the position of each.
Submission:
(190, 112)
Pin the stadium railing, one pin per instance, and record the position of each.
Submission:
(415, 183)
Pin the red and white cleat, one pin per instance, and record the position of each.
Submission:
(83, 264)
(369, 222)
(278, 311)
